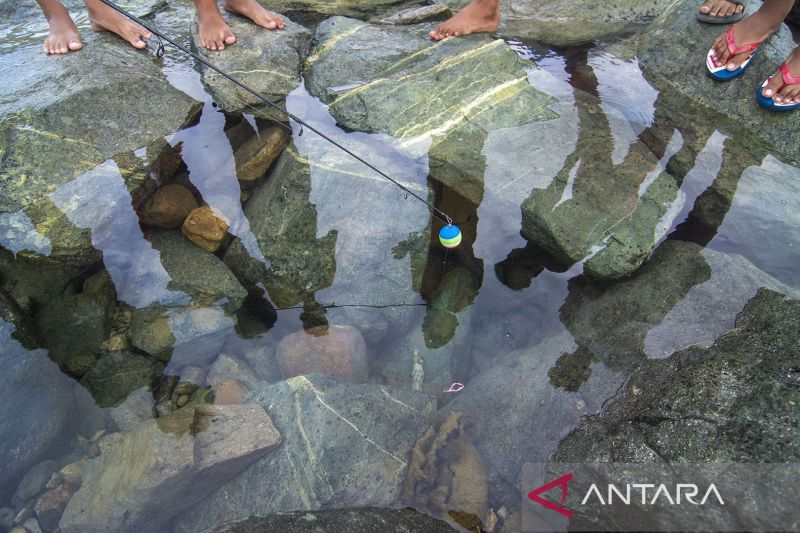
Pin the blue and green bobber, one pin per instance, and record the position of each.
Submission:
(450, 236)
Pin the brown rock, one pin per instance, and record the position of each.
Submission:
(52, 504)
(168, 207)
(204, 228)
(446, 472)
(229, 392)
(335, 350)
(255, 156)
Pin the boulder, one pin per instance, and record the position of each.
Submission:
(364, 9)
(168, 207)
(737, 397)
(671, 65)
(371, 520)
(390, 79)
(571, 23)
(256, 47)
(146, 476)
(42, 107)
(43, 409)
(343, 445)
(35, 480)
(337, 351)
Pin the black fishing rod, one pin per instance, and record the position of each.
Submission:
(450, 233)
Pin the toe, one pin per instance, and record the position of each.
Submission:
(230, 38)
(705, 9)
(75, 44)
(773, 85)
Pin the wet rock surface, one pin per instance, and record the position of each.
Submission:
(570, 23)
(367, 520)
(362, 434)
(736, 397)
(267, 61)
(337, 351)
(167, 464)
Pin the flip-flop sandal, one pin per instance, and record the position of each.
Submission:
(720, 72)
(788, 79)
(729, 19)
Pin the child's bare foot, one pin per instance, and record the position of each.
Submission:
(255, 12)
(777, 90)
(478, 16)
(214, 33)
(63, 35)
(104, 18)
(755, 28)
(721, 8)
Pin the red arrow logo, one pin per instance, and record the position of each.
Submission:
(562, 482)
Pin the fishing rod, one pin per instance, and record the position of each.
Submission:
(450, 235)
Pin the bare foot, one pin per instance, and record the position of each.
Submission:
(720, 8)
(255, 12)
(786, 94)
(478, 16)
(63, 35)
(104, 18)
(757, 27)
(215, 34)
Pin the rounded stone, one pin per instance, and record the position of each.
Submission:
(204, 228)
(335, 350)
(168, 207)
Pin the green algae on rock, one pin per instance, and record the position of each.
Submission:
(571, 22)
(268, 61)
(61, 119)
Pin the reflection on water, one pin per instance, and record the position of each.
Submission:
(610, 234)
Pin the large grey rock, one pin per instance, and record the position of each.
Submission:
(343, 445)
(670, 64)
(102, 95)
(268, 61)
(196, 272)
(683, 296)
(569, 22)
(738, 398)
(146, 476)
(391, 79)
(42, 409)
(363, 520)
(346, 8)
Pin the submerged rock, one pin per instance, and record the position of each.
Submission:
(117, 374)
(373, 520)
(738, 398)
(168, 207)
(146, 476)
(256, 155)
(337, 351)
(268, 61)
(343, 445)
(570, 22)
(204, 228)
(45, 104)
(42, 409)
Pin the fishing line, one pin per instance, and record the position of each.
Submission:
(438, 213)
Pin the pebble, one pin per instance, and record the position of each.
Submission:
(25, 513)
(17, 530)
(31, 525)
(186, 389)
(183, 399)
(51, 505)
(168, 207)
(72, 473)
(205, 229)
(93, 450)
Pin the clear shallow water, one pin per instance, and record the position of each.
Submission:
(520, 298)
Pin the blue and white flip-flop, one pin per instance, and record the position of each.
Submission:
(720, 71)
(769, 103)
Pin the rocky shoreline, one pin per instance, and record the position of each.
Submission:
(149, 377)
